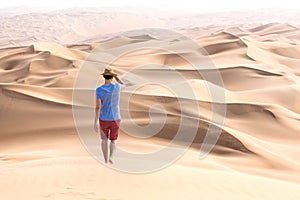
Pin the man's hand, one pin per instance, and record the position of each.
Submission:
(96, 127)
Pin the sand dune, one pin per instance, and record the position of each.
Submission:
(256, 155)
(67, 27)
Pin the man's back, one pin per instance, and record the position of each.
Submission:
(110, 98)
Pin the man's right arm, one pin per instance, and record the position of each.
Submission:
(97, 114)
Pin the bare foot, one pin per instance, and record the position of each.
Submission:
(110, 161)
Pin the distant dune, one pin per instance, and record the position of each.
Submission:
(23, 26)
(257, 155)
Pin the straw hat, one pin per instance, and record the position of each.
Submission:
(109, 71)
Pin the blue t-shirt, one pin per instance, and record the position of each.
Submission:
(110, 98)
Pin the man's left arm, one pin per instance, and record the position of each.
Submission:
(120, 81)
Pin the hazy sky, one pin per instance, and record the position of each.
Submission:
(176, 5)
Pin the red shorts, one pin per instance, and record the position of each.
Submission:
(109, 129)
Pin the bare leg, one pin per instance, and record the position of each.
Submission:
(112, 148)
(104, 147)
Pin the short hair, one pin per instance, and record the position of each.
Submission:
(107, 77)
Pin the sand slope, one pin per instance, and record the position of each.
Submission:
(256, 156)
(67, 27)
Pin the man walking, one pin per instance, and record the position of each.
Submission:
(107, 113)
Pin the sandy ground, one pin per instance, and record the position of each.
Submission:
(257, 155)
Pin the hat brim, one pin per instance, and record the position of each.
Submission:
(111, 74)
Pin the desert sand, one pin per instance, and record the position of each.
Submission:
(257, 156)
